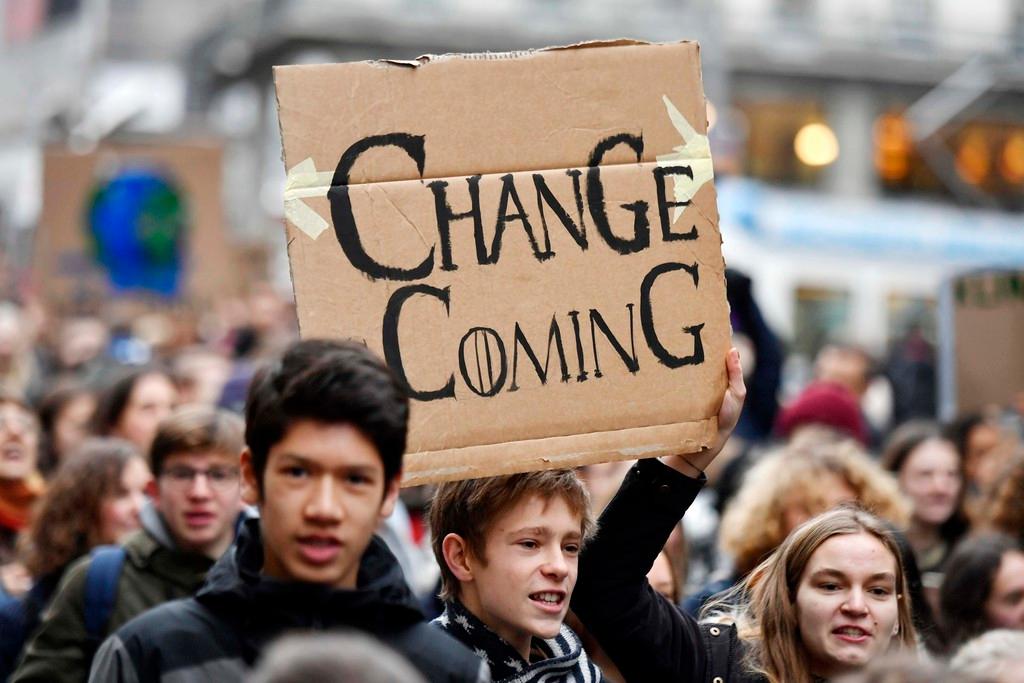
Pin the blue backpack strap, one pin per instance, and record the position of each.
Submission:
(101, 581)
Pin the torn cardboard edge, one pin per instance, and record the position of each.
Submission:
(471, 462)
(516, 54)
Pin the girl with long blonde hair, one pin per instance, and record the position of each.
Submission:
(832, 597)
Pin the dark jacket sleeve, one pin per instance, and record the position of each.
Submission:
(113, 663)
(61, 649)
(647, 637)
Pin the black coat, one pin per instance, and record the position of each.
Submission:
(219, 634)
(649, 638)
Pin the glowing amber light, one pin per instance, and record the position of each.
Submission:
(892, 147)
(815, 145)
(972, 158)
(1011, 161)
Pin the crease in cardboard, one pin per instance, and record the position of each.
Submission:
(411, 223)
(695, 152)
(304, 181)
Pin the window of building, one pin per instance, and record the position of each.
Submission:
(772, 129)
(821, 317)
(905, 313)
(986, 154)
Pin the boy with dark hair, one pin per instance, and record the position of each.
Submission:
(189, 524)
(508, 548)
(325, 434)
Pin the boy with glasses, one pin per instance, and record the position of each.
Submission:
(325, 435)
(191, 522)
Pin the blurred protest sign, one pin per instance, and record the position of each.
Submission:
(529, 239)
(133, 221)
(982, 330)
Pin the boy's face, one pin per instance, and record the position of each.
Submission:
(198, 496)
(324, 493)
(522, 585)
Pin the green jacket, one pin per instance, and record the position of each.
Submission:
(154, 572)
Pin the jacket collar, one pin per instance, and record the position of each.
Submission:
(153, 524)
(261, 607)
(556, 658)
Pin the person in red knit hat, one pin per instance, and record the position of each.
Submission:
(826, 404)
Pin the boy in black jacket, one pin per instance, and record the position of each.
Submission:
(508, 548)
(325, 434)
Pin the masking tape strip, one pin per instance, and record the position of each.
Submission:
(695, 152)
(304, 181)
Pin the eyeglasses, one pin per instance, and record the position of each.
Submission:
(221, 478)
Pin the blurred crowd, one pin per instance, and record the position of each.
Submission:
(83, 397)
(114, 372)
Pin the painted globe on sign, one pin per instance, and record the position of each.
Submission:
(137, 223)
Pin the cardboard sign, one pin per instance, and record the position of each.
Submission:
(530, 241)
(988, 324)
(133, 221)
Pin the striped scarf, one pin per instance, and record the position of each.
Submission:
(561, 659)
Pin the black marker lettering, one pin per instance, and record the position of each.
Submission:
(508, 191)
(631, 361)
(344, 220)
(445, 215)
(664, 205)
(575, 315)
(392, 353)
(554, 334)
(647, 319)
(545, 196)
(641, 238)
(489, 384)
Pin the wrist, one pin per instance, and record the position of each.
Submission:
(683, 465)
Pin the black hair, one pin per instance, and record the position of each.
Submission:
(924, 620)
(332, 382)
(113, 398)
(51, 405)
(967, 584)
(959, 431)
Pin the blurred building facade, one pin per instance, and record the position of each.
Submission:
(869, 149)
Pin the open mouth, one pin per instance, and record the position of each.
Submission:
(549, 600)
(319, 549)
(851, 634)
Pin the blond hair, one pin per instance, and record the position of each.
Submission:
(754, 522)
(766, 619)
